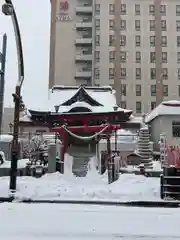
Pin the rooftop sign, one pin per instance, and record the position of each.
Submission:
(63, 15)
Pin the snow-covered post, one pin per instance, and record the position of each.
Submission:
(51, 157)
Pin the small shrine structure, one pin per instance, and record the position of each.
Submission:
(78, 114)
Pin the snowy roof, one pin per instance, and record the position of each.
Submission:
(135, 119)
(103, 98)
(171, 107)
(6, 138)
(25, 118)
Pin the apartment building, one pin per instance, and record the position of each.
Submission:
(133, 45)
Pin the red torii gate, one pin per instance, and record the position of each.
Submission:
(72, 130)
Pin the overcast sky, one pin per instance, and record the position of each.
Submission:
(34, 21)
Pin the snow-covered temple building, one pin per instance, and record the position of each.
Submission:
(78, 106)
(165, 118)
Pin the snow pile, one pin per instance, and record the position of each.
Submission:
(6, 138)
(156, 167)
(21, 163)
(93, 187)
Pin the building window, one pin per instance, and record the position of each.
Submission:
(137, 25)
(165, 90)
(111, 73)
(123, 25)
(138, 57)
(137, 9)
(97, 8)
(111, 9)
(123, 104)
(152, 41)
(151, 10)
(163, 25)
(122, 40)
(153, 90)
(177, 10)
(97, 73)
(163, 10)
(153, 73)
(152, 57)
(111, 24)
(97, 40)
(123, 73)
(164, 57)
(138, 107)
(123, 56)
(153, 105)
(97, 56)
(123, 9)
(179, 90)
(165, 73)
(178, 57)
(138, 90)
(111, 40)
(123, 89)
(178, 73)
(138, 73)
(164, 41)
(97, 23)
(138, 41)
(177, 25)
(178, 41)
(152, 25)
(111, 56)
(176, 129)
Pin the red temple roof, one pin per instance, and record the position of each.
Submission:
(77, 103)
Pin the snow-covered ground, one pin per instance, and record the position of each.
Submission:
(60, 221)
(92, 187)
(20, 221)
(21, 163)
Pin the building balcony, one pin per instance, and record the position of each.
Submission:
(83, 41)
(84, 24)
(84, 9)
(83, 74)
(83, 57)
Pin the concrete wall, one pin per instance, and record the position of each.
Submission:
(163, 124)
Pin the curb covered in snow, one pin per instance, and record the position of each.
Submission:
(164, 204)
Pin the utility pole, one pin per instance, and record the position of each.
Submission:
(2, 77)
(9, 10)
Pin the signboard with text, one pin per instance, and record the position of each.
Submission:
(63, 15)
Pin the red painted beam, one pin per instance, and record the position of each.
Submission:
(87, 129)
(71, 118)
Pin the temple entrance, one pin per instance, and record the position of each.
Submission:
(81, 157)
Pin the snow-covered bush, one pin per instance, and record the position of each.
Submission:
(36, 146)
